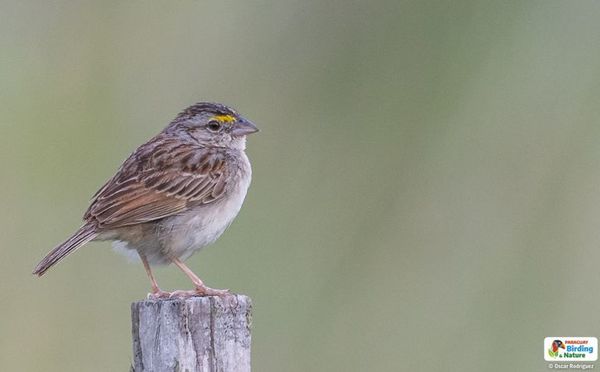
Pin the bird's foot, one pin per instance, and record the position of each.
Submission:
(206, 291)
(158, 294)
(200, 291)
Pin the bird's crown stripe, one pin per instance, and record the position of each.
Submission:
(224, 118)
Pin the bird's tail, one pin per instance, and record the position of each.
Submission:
(82, 236)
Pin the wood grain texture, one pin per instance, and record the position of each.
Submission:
(206, 334)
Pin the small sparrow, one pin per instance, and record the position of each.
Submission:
(174, 195)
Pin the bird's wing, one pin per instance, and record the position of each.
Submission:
(159, 181)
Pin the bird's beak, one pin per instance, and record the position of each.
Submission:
(243, 127)
(562, 346)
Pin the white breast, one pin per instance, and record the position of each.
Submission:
(203, 225)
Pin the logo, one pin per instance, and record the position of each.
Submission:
(553, 351)
(566, 349)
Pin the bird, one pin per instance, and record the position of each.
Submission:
(557, 344)
(174, 195)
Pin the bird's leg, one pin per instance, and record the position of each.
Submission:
(201, 288)
(156, 291)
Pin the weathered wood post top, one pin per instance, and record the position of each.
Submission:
(194, 334)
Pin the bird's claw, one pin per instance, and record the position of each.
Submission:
(199, 292)
(158, 294)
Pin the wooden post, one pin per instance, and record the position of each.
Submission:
(209, 334)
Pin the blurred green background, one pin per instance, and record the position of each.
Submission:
(426, 192)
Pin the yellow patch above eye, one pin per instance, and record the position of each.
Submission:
(224, 118)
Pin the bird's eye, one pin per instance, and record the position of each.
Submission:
(213, 126)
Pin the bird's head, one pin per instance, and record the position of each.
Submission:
(557, 344)
(213, 125)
